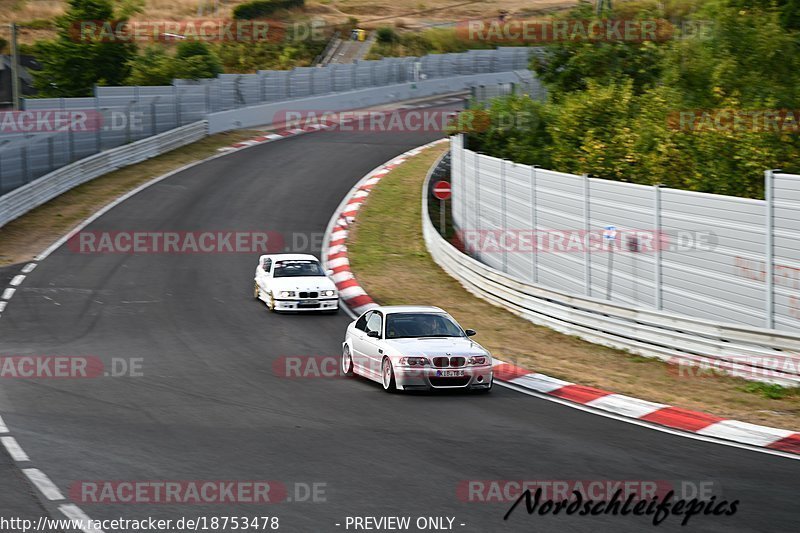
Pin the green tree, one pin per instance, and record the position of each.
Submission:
(192, 60)
(153, 67)
(195, 60)
(72, 64)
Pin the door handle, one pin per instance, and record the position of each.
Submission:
(380, 350)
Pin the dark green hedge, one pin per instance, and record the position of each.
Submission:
(263, 8)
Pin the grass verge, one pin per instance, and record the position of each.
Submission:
(22, 239)
(389, 258)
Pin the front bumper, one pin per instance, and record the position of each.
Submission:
(298, 304)
(426, 378)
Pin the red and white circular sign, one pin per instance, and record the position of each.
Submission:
(441, 190)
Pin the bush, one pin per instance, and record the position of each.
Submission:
(263, 8)
(386, 35)
(193, 60)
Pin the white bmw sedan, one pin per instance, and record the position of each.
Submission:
(415, 348)
(294, 282)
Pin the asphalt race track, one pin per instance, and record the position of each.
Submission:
(210, 406)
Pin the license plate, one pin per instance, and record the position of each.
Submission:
(449, 373)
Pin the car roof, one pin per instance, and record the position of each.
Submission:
(389, 309)
(289, 257)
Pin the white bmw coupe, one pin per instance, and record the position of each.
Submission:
(294, 282)
(415, 348)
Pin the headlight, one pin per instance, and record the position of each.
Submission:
(413, 361)
(328, 293)
(288, 294)
(477, 360)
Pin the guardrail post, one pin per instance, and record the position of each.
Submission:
(50, 154)
(137, 99)
(769, 263)
(503, 211)
(461, 147)
(98, 132)
(153, 124)
(587, 258)
(24, 162)
(128, 122)
(176, 105)
(71, 141)
(535, 254)
(659, 243)
(476, 226)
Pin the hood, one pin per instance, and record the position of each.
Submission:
(437, 346)
(302, 283)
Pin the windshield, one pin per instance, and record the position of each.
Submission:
(290, 269)
(414, 325)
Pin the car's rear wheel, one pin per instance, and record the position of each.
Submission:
(387, 376)
(256, 291)
(347, 362)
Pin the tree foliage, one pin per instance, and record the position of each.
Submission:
(192, 60)
(72, 66)
(611, 106)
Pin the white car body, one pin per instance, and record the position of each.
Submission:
(294, 293)
(450, 362)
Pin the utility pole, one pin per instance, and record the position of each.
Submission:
(14, 67)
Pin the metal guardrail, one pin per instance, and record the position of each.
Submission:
(47, 187)
(691, 253)
(752, 353)
(133, 113)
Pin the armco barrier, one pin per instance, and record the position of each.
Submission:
(29, 196)
(37, 192)
(752, 353)
(710, 256)
(263, 114)
(133, 113)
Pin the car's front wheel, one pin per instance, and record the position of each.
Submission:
(347, 362)
(256, 291)
(387, 376)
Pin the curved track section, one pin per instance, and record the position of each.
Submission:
(211, 406)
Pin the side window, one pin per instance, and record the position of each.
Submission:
(267, 264)
(374, 323)
(361, 323)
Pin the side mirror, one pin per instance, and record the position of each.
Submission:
(374, 334)
(470, 332)
(329, 272)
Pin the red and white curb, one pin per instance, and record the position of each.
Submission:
(331, 121)
(269, 137)
(650, 414)
(780, 440)
(351, 294)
